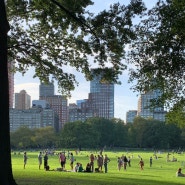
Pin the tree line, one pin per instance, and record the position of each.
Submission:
(100, 132)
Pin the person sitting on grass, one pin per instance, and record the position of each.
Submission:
(88, 168)
(179, 173)
(80, 169)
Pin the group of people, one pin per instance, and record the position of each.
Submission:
(102, 161)
(123, 161)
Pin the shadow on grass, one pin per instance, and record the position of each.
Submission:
(94, 180)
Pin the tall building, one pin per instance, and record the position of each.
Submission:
(144, 106)
(101, 98)
(100, 102)
(130, 115)
(33, 118)
(57, 102)
(46, 89)
(11, 84)
(22, 100)
(79, 112)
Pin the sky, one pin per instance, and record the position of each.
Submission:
(124, 98)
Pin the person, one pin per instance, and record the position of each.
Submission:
(40, 159)
(105, 162)
(71, 161)
(141, 163)
(150, 161)
(88, 168)
(92, 158)
(125, 162)
(25, 158)
(100, 162)
(62, 160)
(129, 161)
(46, 161)
(76, 167)
(179, 173)
(80, 168)
(119, 163)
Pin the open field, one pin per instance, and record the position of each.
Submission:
(161, 172)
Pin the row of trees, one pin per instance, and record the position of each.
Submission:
(100, 132)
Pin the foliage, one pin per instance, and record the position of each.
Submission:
(158, 53)
(52, 36)
(177, 114)
(102, 133)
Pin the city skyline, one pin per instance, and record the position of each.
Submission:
(125, 99)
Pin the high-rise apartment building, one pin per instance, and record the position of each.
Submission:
(57, 102)
(46, 89)
(101, 98)
(11, 84)
(100, 102)
(144, 106)
(130, 115)
(79, 112)
(22, 100)
(33, 118)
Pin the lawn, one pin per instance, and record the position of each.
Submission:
(161, 172)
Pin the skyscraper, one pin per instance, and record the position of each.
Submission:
(22, 100)
(130, 115)
(144, 106)
(57, 102)
(101, 97)
(46, 89)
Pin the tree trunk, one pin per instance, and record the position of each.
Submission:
(6, 175)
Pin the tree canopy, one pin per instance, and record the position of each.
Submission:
(54, 35)
(158, 53)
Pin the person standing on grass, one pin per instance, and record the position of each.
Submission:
(150, 161)
(25, 158)
(100, 162)
(92, 162)
(71, 161)
(62, 160)
(40, 159)
(46, 161)
(125, 160)
(120, 163)
(105, 162)
(141, 163)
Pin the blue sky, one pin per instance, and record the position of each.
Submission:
(124, 100)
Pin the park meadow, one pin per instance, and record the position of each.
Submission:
(161, 172)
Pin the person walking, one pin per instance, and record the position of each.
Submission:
(105, 162)
(71, 161)
(25, 158)
(40, 159)
(141, 163)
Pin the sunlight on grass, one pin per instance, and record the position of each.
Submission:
(161, 172)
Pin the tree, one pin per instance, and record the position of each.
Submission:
(159, 55)
(6, 177)
(49, 37)
(46, 35)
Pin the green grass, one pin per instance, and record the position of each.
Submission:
(161, 172)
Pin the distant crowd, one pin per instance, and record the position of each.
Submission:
(100, 160)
